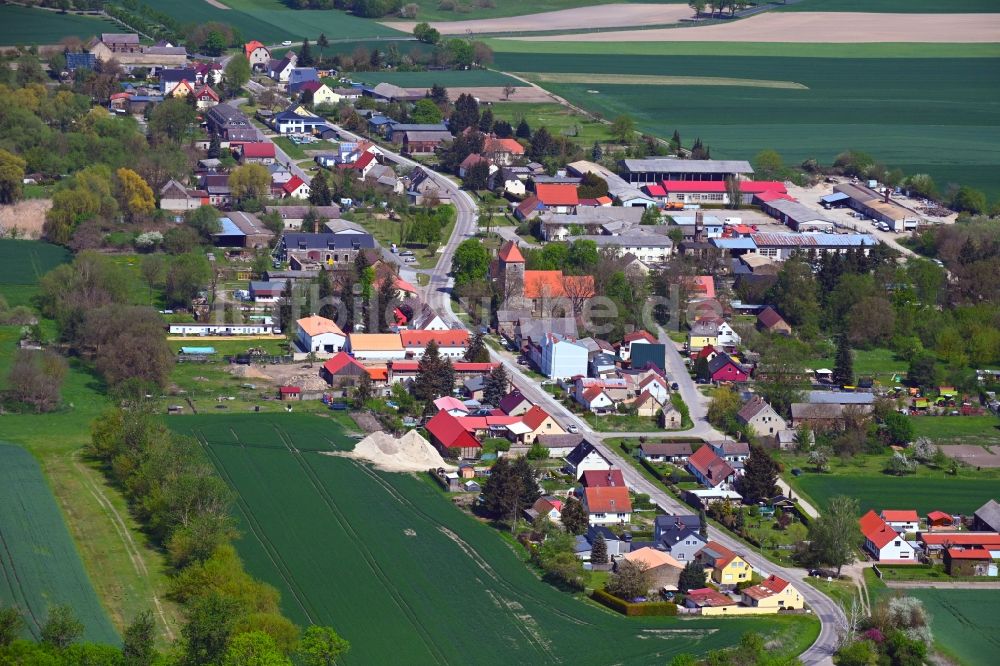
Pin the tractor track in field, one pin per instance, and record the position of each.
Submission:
(35, 626)
(532, 637)
(257, 530)
(366, 553)
(479, 560)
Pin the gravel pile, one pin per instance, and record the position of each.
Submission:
(409, 453)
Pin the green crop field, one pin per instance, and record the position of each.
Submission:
(934, 115)
(24, 25)
(271, 22)
(447, 78)
(39, 563)
(478, 9)
(965, 623)
(886, 492)
(894, 6)
(22, 263)
(397, 570)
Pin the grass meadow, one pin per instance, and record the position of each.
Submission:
(41, 567)
(396, 569)
(447, 78)
(965, 623)
(958, 429)
(556, 117)
(27, 26)
(934, 115)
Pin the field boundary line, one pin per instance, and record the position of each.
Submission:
(254, 526)
(118, 523)
(19, 588)
(363, 549)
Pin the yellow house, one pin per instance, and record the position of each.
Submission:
(324, 95)
(773, 593)
(727, 568)
(538, 423)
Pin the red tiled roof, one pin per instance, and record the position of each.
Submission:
(876, 530)
(900, 516)
(510, 253)
(557, 194)
(593, 478)
(725, 556)
(706, 596)
(991, 539)
(969, 554)
(292, 185)
(534, 417)
(290, 390)
(710, 466)
(937, 516)
(339, 362)
(364, 160)
(495, 145)
(553, 284)
(250, 47)
(450, 338)
(746, 186)
(655, 190)
(528, 205)
(449, 432)
(468, 366)
(590, 394)
(769, 317)
(639, 335)
(771, 195)
(607, 499)
(378, 374)
(206, 90)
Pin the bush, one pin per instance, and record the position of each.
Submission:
(645, 609)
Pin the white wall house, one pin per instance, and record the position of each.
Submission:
(562, 358)
(727, 336)
(884, 543)
(320, 335)
(585, 458)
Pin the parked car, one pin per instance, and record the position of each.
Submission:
(410, 260)
(406, 253)
(572, 428)
(287, 42)
(674, 387)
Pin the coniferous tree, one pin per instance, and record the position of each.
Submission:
(759, 476)
(574, 516)
(388, 301)
(596, 153)
(497, 385)
(319, 192)
(305, 55)
(322, 42)
(703, 523)
(692, 577)
(477, 351)
(214, 146)
(843, 368)
(438, 94)
(599, 550)
(425, 386)
(523, 130)
(465, 115)
(486, 121)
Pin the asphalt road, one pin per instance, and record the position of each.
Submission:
(438, 295)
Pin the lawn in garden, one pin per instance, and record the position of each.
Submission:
(38, 560)
(29, 26)
(924, 115)
(397, 570)
(882, 363)
(958, 429)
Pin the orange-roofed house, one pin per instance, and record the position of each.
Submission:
(539, 422)
(884, 543)
(542, 292)
(375, 346)
(663, 569)
(452, 343)
(728, 568)
(319, 335)
(257, 54)
(557, 197)
(607, 505)
(902, 521)
(774, 593)
(501, 152)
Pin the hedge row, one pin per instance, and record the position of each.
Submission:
(644, 609)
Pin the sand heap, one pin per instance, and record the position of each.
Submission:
(409, 453)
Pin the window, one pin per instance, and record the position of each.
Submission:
(897, 543)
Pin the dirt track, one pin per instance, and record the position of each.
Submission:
(616, 15)
(523, 94)
(813, 27)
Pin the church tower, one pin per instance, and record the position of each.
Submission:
(510, 269)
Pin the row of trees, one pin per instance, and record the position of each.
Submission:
(185, 507)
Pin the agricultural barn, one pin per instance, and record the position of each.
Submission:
(655, 170)
(877, 206)
(242, 230)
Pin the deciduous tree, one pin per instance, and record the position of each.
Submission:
(250, 181)
(35, 379)
(11, 177)
(322, 646)
(61, 628)
(138, 641)
(134, 195)
(629, 581)
(834, 535)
